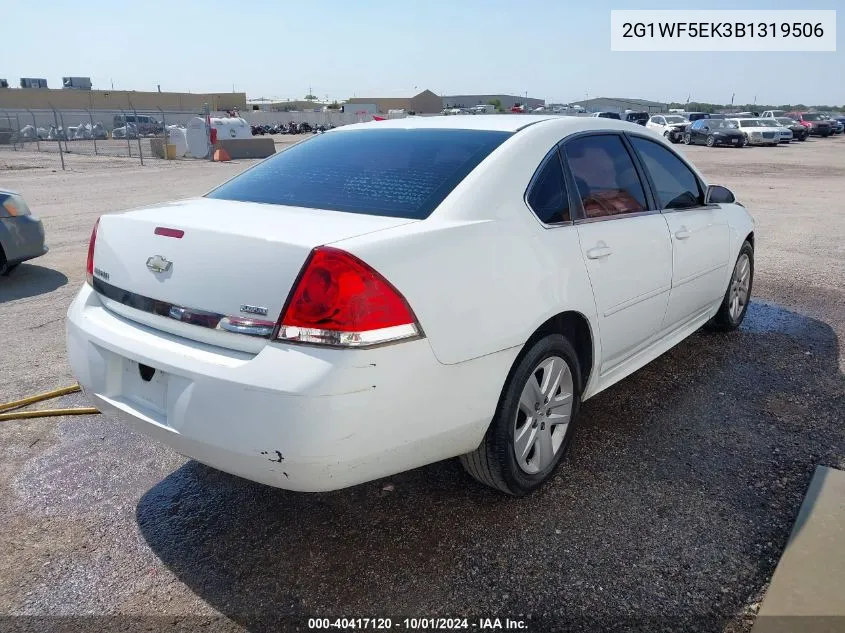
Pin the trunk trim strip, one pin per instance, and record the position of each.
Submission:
(202, 318)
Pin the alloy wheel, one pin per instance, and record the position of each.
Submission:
(543, 415)
(740, 285)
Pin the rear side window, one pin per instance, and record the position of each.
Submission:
(676, 184)
(604, 172)
(390, 172)
(547, 195)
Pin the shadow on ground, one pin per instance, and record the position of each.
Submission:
(669, 514)
(28, 280)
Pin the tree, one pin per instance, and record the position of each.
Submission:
(496, 103)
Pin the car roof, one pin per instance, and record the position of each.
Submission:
(490, 122)
(563, 124)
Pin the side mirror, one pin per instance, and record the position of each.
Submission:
(717, 194)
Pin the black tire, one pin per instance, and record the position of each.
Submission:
(723, 321)
(803, 138)
(667, 135)
(687, 139)
(494, 462)
(711, 140)
(741, 143)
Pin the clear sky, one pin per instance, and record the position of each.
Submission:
(554, 49)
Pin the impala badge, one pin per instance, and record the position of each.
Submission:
(158, 264)
(254, 310)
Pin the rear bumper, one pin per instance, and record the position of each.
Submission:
(759, 140)
(293, 417)
(722, 140)
(22, 238)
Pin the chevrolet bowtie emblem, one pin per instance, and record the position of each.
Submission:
(158, 264)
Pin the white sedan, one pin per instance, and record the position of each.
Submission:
(758, 132)
(784, 132)
(670, 126)
(391, 294)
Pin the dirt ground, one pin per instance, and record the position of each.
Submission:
(669, 514)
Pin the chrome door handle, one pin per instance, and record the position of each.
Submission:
(599, 252)
(682, 233)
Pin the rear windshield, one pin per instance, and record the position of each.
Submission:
(812, 116)
(391, 172)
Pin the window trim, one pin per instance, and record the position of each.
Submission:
(570, 178)
(555, 151)
(701, 185)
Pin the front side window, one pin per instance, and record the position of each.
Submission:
(675, 183)
(390, 172)
(608, 183)
(547, 196)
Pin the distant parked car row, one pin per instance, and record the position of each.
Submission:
(632, 116)
(771, 128)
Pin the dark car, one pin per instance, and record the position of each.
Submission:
(713, 132)
(640, 118)
(21, 233)
(145, 124)
(837, 121)
(697, 116)
(815, 123)
(799, 132)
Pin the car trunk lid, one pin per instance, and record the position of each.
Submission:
(181, 267)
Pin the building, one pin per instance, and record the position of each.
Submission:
(47, 98)
(507, 101)
(610, 104)
(283, 105)
(425, 102)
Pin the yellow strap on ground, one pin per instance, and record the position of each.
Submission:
(16, 404)
(46, 413)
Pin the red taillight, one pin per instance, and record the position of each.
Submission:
(89, 265)
(339, 300)
(166, 232)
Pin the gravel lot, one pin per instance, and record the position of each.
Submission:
(669, 514)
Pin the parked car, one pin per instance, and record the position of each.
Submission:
(671, 126)
(696, 116)
(815, 123)
(343, 361)
(757, 133)
(838, 125)
(21, 233)
(144, 124)
(713, 132)
(773, 114)
(606, 115)
(785, 134)
(799, 132)
(640, 118)
(839, 117)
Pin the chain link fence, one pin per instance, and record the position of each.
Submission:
(74, 139)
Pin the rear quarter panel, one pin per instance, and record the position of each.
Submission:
(481, 273)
